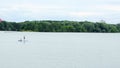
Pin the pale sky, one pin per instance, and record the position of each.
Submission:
(73, 10)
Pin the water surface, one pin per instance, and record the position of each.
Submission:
(59, 50)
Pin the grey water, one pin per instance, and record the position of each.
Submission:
(59, 50)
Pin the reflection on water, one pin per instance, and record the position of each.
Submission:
(59, 50)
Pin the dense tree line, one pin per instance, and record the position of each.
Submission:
(59, 26)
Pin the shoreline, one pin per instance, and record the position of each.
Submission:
(58, 32)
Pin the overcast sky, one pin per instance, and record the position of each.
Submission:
(75, 10)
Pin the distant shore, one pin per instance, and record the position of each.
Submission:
(60, 26)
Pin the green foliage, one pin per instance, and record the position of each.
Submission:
(59, 26)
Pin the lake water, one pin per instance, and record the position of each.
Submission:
(59, 50)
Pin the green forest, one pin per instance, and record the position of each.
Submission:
(59, 26)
